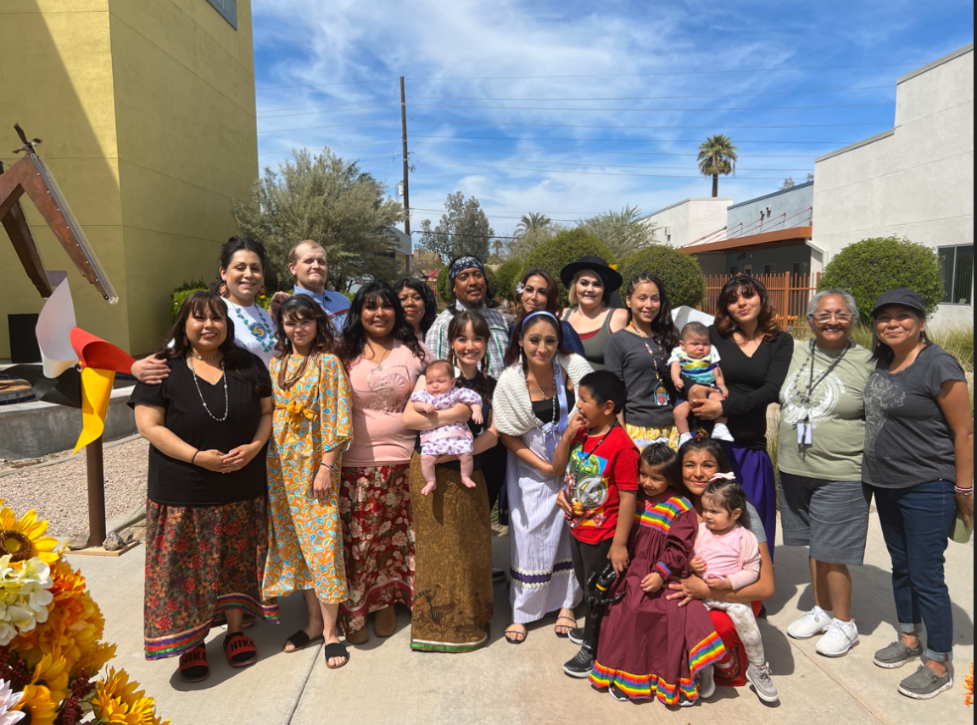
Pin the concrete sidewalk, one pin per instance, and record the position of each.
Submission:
(387, 683)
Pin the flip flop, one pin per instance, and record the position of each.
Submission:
(572, 625)
(336, 649)
(194, 666)
(240, 650)
(518, 633)
(300, 640)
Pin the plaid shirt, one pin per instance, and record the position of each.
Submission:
(437, 337)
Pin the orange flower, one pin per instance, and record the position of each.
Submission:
(52, 672)
(968, 686)
(94, 659)
(37, 703)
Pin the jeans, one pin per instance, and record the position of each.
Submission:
(915, 523)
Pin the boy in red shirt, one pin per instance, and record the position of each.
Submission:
(599, 492)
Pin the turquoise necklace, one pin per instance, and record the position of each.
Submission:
(260, 330)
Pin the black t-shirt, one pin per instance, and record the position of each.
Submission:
(486, 390)
(176, 483)
(908, 439)
(753, 382)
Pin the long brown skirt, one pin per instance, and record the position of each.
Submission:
(453, 563)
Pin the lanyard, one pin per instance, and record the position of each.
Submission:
(661, 394)
(599, 443)
(811, 382)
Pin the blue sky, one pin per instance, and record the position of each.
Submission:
(573, 108)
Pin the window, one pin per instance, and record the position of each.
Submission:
(227, 8)
(734, 270)
(770, 269)
(958, 274)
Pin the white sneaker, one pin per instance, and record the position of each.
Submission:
(812, 623)
(707, 682)
(839, 637)
(683, 438)
(721, 433)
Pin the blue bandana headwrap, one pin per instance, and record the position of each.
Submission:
(461, 264)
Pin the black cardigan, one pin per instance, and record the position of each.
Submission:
(753, 382)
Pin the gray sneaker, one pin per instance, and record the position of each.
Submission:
(707, 682)
(924, 684)
(762, 684)
(896, 655)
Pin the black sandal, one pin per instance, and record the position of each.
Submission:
(336, 649)
(520, 632)
(300, 640)
(569, 627)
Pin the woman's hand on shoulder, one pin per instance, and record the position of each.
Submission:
(151, 370)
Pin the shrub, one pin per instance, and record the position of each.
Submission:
(180, 294)
(567, 246)
(444, 288)
(680, 273)
(870, 267)
(507, 277)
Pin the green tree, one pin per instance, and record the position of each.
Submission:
(717, 156)
(624, 232)
(870, 267)
(532, 222)
(444, 287)
(567, 246)
(507, 276)
(680, 273)
(463, 229)
(324, 198)
(532, 238)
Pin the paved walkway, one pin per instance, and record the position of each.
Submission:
(387, 683)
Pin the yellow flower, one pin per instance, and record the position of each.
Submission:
(93, 659)
(52, 672)
(25, 538)
(613, 266)
(37, 703)
(117, 701)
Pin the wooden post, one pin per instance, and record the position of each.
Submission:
(403, 126)
(96, 493)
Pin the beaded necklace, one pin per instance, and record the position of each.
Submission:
(661, 394)
(260, 329)
(196, 382)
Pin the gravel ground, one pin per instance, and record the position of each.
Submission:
(59, 492)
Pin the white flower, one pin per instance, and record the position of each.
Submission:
(8, 699)
(24, 597)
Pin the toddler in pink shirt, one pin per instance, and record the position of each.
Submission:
(727, 556)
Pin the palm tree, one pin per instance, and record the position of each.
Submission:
(717, 156)
(532, 222)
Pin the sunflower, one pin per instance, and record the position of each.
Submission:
(25, 538)
(118, 701)
(37, 703)
(93, 659)
(52, 673)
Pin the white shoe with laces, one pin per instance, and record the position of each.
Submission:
(812, 623)
(721, 433)
(838, 639)
(683, 438)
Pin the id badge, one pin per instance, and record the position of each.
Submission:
(805, 433)
(548, 429)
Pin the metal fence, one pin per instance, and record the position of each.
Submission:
(789, 294)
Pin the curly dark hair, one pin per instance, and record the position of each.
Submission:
(745, 285)
(231, 247)
(513, 353)
(662, 327)
(354, 336)
(427, 297)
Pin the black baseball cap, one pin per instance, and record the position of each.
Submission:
(905, 297)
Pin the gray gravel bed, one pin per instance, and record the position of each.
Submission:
(59, 492)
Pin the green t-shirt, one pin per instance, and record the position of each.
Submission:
(836, 412)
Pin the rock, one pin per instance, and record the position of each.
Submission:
(113, 542)
(78, 541)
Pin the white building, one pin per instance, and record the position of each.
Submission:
(915, 180)
(689, 220)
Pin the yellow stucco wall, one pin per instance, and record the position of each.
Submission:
(148, 114)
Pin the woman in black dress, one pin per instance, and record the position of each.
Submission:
(206, 521)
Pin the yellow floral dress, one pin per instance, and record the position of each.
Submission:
(305, 542)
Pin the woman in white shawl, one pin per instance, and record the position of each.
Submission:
(533, 401)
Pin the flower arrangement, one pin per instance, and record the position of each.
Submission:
(50, 631)
(968, 687)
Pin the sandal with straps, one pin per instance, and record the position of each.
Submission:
(336, 649)
(518, 633)
(240, 650)
(565, 618)
(194, 666)
(299, 641)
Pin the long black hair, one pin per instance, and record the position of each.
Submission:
(744, 284)
(662, 327)
(427, 297)
(701, 442)
(514, 351)
(354, 336)
(480, 327)
(231, 247)
(883, 353)
(237, 361)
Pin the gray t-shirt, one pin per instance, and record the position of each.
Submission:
(908, 440)
(642, 372)
(756, 524)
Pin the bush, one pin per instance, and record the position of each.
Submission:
(679, 272)
(507, 277)
(870, 267)
(180, 294)
(567, 246)
(444, 288)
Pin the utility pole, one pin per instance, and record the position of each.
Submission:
(403, 124)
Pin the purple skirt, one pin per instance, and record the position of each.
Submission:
(754, 471)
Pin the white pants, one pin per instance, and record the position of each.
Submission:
(746, 627)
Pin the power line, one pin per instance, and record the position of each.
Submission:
(334, 110)
(344, 146)
(316, 128)
(475, 236)
(591, 151)
(626, 140)
(611, 166)
(686, 128)
(330, 105)
(656, 98)
(594, 173)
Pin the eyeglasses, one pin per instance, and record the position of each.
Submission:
(826, 317)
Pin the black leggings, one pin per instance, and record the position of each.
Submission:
(588, 558)
(493, 465)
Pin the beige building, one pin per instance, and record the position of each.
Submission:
(915, 180)
(147, 114)
(689, 220)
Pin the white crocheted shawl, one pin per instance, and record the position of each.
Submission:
(512, 408)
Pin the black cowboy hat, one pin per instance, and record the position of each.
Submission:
(611, 279)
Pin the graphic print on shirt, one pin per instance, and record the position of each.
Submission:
(824, 397)
(389, 388)
(586, 488)
(881, 395)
